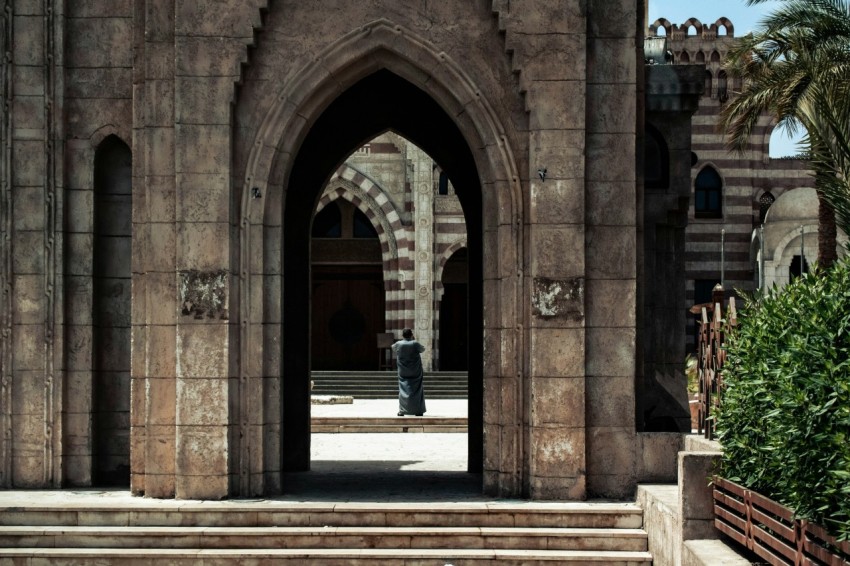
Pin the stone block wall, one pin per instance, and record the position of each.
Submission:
(217, 101)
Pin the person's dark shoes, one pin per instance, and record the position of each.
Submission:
(401, 413)
(419, 414)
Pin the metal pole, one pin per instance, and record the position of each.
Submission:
(802, 250)
(761, 257)
(723, 258)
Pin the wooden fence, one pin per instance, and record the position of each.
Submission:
(711, 355)
(771, 531)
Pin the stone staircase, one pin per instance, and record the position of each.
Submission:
(384, 384)
(388, 424)
(145, 531)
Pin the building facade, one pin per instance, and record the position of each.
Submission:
(732, 193)
(162, 164)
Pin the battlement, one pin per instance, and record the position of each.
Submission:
(693, 28)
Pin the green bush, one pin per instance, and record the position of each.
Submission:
(784, 420)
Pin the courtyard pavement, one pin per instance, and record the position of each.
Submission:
(387, 466)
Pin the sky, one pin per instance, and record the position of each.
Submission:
(744, 18)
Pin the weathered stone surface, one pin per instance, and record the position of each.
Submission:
(558, 299)
(613, 350)
(558, 452)
(558, 251)
(558, 401)
(557, 352)
(203, 294)
(557, 201)
(696, 501)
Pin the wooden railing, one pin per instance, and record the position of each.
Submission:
(711, 355)
(771, 531)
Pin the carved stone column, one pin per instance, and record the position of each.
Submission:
(422, 186)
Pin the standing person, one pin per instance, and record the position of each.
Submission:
(411, 395)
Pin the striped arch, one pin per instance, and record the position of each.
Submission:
(692, 22)
(440, 264)
(350, 184)
(444, 257)
(367, 196)
(726, 23)
(663, 24)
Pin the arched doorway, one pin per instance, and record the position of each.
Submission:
(379, 102)
(347, 289)
(454, 323)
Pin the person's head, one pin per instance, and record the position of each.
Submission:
(407, 334)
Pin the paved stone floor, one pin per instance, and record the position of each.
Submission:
(382, 466)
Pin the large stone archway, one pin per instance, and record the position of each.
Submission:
(227, 102)
(387, 86)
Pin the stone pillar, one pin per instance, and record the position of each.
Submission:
(154, 333)
(31, 204)
(422, 193)
(203, 94)
(611, 246)
(556, 240)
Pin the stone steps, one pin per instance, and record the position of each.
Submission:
(332, 556)
(551, 538)
(388, 424)
(231, 532)
(384, 384)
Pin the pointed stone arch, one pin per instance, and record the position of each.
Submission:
(380, 45)
(369, 198)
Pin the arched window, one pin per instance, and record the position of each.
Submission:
(765, 201)
(708, 80)
(684, 57)
(715, 56)
(362, 226)
(708, 194)
(328, 223)
(799, 266)
(443, 188)
(700, 58)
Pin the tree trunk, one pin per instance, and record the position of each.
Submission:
(827, 234)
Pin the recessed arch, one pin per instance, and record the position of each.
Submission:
(110, 312)
(656, 165)
(708, 193)
(383, 60)
(452, 304)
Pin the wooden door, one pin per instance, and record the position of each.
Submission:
(347, 314)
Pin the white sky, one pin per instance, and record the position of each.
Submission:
(744, 18)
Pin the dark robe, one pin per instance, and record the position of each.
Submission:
(411, 394)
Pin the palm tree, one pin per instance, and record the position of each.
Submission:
(829, 131)
(790, 67)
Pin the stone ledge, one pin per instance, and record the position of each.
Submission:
(710, 553)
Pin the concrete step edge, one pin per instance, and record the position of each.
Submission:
(602, 557)
(566, 532)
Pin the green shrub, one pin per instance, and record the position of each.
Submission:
(784, 420)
